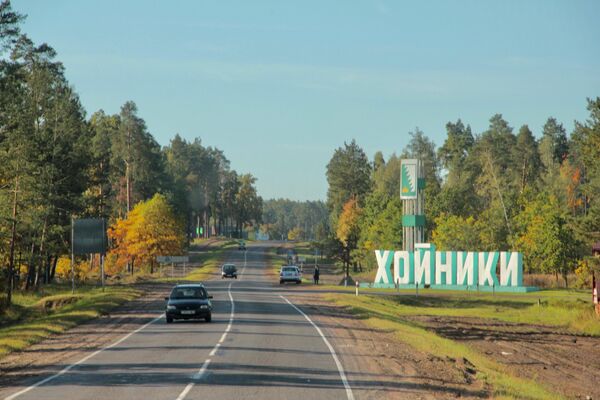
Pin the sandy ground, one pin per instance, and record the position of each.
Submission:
(567, 363)
(382, 367)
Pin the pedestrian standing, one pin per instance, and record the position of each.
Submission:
(316, 275)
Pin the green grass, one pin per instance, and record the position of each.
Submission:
(385, 313)
(274, 261)
(571, 310)
(28, 321)
(210, 261)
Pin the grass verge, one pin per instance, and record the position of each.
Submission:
(211, 260)
(382, 313)
(34, 317)
(570, 310)
(204, 260)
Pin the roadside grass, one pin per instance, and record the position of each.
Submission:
(554, 309)
(210, 260)
(275, 261)
(200, 252)
(36, 316)
(571, 310)
(384, 313)
(204, 257)
(305, 249)
(209, 265)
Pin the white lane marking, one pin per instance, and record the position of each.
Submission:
(206, 363)
(223, 337)
(349, 394)
(84, 359)
(185, 391)
(203, 369)
(214, 350)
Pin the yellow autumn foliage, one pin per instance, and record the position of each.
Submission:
(150, 230)
(348, 223)
(63, 269)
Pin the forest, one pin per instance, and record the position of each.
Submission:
(504, 188)
(58, 164)
(295, 220)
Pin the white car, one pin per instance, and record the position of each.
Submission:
(290, 273)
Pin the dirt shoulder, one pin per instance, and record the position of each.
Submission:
(568, 364)
(54, 353)
(380, 366)
(516, 359)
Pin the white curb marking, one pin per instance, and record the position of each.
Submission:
(349, 393)
(84, 359)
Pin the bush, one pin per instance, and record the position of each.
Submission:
(583, 274)
(547, 281)
(63, 269)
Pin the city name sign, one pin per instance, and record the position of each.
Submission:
(457, 270)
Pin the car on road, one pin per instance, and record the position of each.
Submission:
(290, 273)
(242, 245)
(188, 301)
(228, 271)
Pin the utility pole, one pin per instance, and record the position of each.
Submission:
(102, 270)
(103, 254)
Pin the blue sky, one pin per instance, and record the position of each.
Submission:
(279, 85)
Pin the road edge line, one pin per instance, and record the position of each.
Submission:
(84, 359)
(338, 363)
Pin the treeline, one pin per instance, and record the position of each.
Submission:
(295, 220)
(56, 164)
(501, 189)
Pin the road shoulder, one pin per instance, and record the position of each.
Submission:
(52, 354)
(378, 365)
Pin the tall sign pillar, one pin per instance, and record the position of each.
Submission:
(412, 186)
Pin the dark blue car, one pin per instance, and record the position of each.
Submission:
(189, 301)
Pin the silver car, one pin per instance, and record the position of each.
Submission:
(290, 273)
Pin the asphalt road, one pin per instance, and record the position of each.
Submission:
(259, 346)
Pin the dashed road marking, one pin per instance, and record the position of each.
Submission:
(206, 363)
